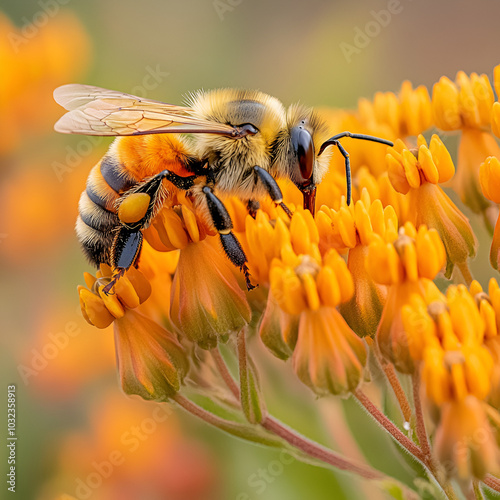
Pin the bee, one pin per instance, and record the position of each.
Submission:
(223, 142)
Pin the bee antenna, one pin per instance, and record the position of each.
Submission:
(334, 141)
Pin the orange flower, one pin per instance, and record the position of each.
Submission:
(329, 357)
(381, 188)
(489, 176)
(278, 329)
(466, 105)
(305, 289)
(129, 449)
(475, 146)
(417, 173)
(207, 302)
(151, 362)
(450, 335)
(354, 227)
(464, 443)
(489, 309)
(408, 113)
(406, 264)
(101, 309)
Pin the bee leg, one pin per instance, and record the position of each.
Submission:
(274, 191)
(252, 207)
(223, 224)
(152, 185)
(116, 276)
(178, 181)
(124, 253)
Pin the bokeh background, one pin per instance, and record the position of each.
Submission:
(71, 413)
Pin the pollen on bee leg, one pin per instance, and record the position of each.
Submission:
(134, 207)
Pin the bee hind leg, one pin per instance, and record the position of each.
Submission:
(116, 276)
(124, 253)
(223, 224)
(272, 188)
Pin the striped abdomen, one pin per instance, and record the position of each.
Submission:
(97, 221)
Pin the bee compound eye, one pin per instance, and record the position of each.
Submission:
(304, 149)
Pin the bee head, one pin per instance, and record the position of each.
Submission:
(296, 154)
(258, 116)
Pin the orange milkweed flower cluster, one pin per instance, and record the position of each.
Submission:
(372, 277)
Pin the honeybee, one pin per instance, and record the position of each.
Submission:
(223, 142)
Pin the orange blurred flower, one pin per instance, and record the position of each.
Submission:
(32, 66)
(489, 176)
(133, 450)
(408, 113)
(465, 444)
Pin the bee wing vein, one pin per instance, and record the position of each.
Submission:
(96, 111)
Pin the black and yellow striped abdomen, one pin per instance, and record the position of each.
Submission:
(98, 220)
(129, 161)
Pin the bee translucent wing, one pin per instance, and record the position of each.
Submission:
(97, 111)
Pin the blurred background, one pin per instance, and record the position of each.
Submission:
(72, 416)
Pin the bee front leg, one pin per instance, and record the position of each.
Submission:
(272, 188)
(223, 224)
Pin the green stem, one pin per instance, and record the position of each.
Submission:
(467, 275)
(243, 431)
(478, 494)
(225, 373)
(388, 426)
(420, 427)
(390, 373)
(405, 442)
(250, 433)
(310, 448)
(317, 451)
(424, 440)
